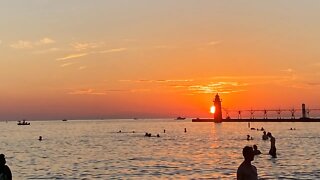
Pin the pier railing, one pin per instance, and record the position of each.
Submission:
(271, 113)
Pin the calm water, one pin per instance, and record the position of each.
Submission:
(94, 150)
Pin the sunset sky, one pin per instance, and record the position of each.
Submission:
(81, 59)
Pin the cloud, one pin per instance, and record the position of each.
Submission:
(44, 51)
(22, 44)
(289, 70)
(82, 67)
(218, 87)
(157, 80)
(86, 92)
(213, 43)
(45, 41)
(67, 64)
(139, 90)
(78, 55)
(91, 91)
(85, 46)
(113, 50)
(72, 56)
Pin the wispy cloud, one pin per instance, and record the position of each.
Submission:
(67, 64)
(45, 51)
(45, 41)
(78, 55)
(218, 87)
(113, 50)
(289, 70)
(23, 44)
(139, 90)
(213, 43)
(72, 56)
(86, 46)
(82, 67)
(87, 92)
(92, 91)
(157, 80)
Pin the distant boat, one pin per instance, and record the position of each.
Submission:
(135, 118)
(180, 118)
(64, 120)
(23, 122)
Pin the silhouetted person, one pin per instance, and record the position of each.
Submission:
(5, 172)
(255, 150)
(264, 136)
(185, 130)
(249, 138)
(273, 149)
(158, 135)
(40, 138)
(247, 171)
(164, 131)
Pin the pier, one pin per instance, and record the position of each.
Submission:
(259, 115)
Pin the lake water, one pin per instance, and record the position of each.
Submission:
(93, 149)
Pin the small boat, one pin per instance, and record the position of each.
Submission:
(23, 122)
(180, 118)
(64, 120)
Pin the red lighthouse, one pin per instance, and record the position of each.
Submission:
(218, 111)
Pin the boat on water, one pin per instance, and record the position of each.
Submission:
(23, 122)
(180, 118)
(64, 120)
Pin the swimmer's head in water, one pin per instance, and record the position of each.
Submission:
(248, 153)
(255, 147)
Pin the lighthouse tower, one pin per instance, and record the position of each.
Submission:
(218, 111)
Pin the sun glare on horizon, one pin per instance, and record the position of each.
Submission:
(212, 109)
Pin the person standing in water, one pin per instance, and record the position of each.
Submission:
(273, 149)
(5, 172)
(247, 171)
(264, 136)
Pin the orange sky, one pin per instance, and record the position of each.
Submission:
(122, 59)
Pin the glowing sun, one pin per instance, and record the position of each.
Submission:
(212, 109)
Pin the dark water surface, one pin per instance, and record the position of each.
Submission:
(94, 150)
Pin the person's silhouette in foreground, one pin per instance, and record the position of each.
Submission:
(5, 172)
(255, 150)
(273, 149)
(247, 171)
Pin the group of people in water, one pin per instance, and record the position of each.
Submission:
(146, 134)
(247, 171)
